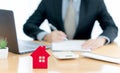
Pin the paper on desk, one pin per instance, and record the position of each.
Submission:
(69, 45)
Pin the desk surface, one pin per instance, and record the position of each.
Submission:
(80, 65)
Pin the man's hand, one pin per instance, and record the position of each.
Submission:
(55, 36)
(94, 43)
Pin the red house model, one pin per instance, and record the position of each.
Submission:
(40, 57)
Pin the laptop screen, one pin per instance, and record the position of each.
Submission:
(7, 29)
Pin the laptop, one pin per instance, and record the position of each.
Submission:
(8, 30)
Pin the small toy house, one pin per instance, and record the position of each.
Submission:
(40, 57)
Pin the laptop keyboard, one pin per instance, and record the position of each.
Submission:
(29, 46)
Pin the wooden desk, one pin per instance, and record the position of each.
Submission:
(80, 65)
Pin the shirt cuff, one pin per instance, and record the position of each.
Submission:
(41, 35)
(107, 39)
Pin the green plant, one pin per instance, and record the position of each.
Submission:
(3, 43)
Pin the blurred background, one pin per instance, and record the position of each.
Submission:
(24, 8)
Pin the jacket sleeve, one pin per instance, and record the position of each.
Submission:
(110, 30)
(31, 27)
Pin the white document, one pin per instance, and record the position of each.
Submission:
(69, 45)
(101, 57)
(25, 64)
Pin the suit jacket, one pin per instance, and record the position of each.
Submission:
(90, 11)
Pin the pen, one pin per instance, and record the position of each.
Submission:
(54, 28)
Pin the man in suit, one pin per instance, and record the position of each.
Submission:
(87, 12)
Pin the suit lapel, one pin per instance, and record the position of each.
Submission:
(58, 13)
(81, 15)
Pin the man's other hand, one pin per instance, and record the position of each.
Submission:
(94, 43)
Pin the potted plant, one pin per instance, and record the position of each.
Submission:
(3, 48)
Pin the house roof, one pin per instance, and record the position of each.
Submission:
(41, 50)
